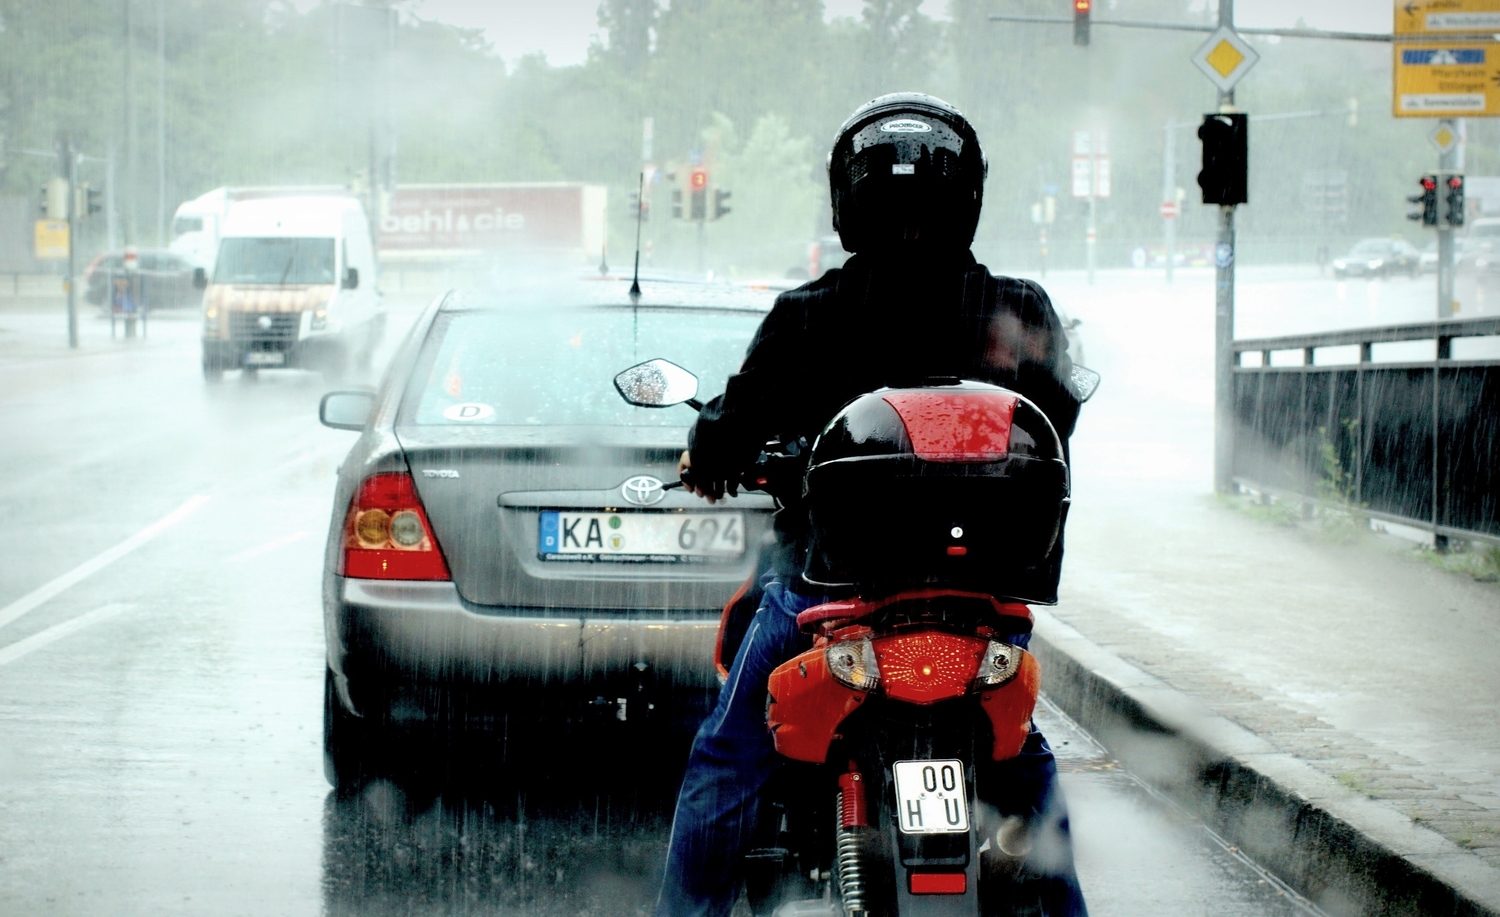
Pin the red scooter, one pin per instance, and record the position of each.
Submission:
(937, 513)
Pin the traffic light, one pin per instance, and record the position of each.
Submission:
(676, 203)
(698, 185)
(640, 208)
(1428, 215)
(719, 198)
(86, 201)
(1226, 159)
(55, 198)
(1081, 9)
(1453, 200)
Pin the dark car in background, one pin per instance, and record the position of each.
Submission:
(501, 547)
(165, 278)
(1379, 258)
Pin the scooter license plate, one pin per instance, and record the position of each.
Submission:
(932, 797)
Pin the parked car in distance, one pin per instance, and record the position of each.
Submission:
(1463, 254)
(1480, 244)
(1379, 257)
(501, 548)
(166, 278)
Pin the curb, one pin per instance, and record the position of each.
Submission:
(1347, 853)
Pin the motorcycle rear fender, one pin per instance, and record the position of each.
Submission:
(1010, 706)
(806, 707)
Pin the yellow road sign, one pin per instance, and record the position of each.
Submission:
(1447, 17)
(1447, 80)
(51, 240)
(1225, 58)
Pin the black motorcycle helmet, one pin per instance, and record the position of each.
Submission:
(958, 485)
(906, 167)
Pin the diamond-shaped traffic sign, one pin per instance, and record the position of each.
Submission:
(1444, 137)
(1225, 58)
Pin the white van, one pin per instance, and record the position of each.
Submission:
(293, 285)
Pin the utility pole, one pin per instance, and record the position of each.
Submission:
(132, 139)
(111, 213)
(68, 168)
(1224, 314)
(161, 123)
(1448, 162)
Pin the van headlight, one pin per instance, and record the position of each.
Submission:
(211, 320)
(319, 319)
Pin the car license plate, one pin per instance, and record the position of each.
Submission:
(641, 537)
(931, 797)
(262, 358)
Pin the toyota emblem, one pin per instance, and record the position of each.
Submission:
(642, 490)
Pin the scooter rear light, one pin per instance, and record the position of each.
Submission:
(999, 664)
(927, 667)
(852, 663)
(939, 883)
(386, 533)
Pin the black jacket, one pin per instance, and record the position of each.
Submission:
(885, 321)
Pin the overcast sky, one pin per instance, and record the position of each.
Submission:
(562, 29)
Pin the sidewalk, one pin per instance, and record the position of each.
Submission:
(1356, 664)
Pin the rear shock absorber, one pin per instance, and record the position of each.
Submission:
(853, 818)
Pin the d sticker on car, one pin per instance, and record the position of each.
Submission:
(469, 411)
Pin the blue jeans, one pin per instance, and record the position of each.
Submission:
(733, 757)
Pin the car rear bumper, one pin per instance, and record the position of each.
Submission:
(404, 649)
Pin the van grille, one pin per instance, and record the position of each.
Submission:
(253, 326)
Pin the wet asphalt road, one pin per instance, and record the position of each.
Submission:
(161, 656)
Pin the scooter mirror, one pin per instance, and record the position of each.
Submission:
(1085, 382)
(657, 384)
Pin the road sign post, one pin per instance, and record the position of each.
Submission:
(1169, 196)
(1225, 59)
(1091, 180)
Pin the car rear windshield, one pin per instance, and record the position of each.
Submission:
(275, 261)
(558, 367)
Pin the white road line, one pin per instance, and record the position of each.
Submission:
(55, 633)
(269, 546)
(89, 567)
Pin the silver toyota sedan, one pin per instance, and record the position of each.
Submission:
(501, 544)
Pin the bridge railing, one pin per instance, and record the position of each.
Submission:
(1412, 441)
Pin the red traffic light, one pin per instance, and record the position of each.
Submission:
(1429, 183)
(698, 180)
(1455, 181)
(1082, 6)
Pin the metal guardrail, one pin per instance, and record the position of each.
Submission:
(1413, 442)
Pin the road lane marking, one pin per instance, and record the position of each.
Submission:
(269, 546)
(56, 632)
(89, 567)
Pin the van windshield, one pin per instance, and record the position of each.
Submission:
(275, 261)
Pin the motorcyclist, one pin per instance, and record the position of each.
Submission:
(906, 177)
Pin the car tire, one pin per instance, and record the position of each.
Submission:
(346, 742)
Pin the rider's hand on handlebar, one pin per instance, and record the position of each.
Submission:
(712, 491)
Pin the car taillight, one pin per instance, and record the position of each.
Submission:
(386, 533)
